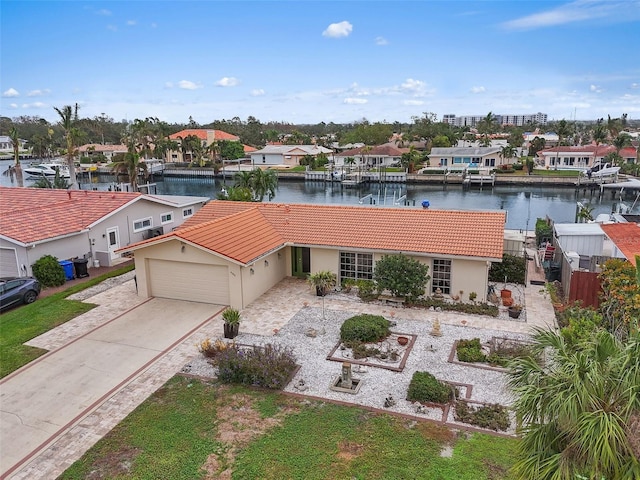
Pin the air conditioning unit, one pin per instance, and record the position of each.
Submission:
(153, 232)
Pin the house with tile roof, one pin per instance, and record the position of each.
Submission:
(581, 157)
(90, 225)
(387, 155)
(109, 151)
(625, 237)
(468, 157)
(230, 253)
(207, 136)
(285, 155)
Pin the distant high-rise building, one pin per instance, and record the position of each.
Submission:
(515, 120)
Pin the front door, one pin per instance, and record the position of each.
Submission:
(301, 257)
(113, 241)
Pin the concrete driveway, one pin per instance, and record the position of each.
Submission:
(54, 392)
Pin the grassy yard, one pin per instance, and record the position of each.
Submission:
(21, 324)
(191, 429)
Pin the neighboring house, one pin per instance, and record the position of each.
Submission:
(473, 157)
(285, 155)
(6, 147)
(109, 151)
(625, 238)
(81, 224)
(582, 157)
(230, 253)
(207, 137)
(371, 157)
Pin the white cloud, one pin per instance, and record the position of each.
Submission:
(38, 93)
(257, 92)
(381, 41)
(168, 85)
(355, 101)
(113, 28)
(104, 12)
(578, 11)
(227, 82)
(337, 30)
(477, 90)
(13, 105)
(131, 23)
(595, 89)
(34, 105)
(188, 85)
(413, 102)
(635, 85)
(416, 87)
(12, 92)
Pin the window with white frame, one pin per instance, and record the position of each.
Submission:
(356, 265)
(187, 212)
(142, 224)
(441, 276)
(166, 218)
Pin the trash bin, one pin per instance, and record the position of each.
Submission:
(67, 266)
(81, 267)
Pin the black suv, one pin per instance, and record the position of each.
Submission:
(18, 290)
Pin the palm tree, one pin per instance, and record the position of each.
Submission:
(599, 135)
(15, 143)
(621, 141)
(68, 117)
(486, 127)
(508, 152)
(58, 182)
(577, 405)
(563, 129)
(264, 182)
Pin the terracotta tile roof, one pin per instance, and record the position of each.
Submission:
(249, 149)
(602, 150)
(381, 150)
(31, 215)
(437, 232)
(202, 134)
(626, 236)
(102, 148)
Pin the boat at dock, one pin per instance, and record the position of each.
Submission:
(47, 170)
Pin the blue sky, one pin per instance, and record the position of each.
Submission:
(308, 62)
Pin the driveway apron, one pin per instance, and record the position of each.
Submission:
(54, 392)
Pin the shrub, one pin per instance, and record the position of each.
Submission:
(518, 166)
(270, 366)
(511, 267)
(473, 308)
(401, 275)
(364, 328)
(231, 316)
(424, 387)
(48, 271)
(470, 351)
(367, 290)
(211, 349)
(581, 325)
(494, 417)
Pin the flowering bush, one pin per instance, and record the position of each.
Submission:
(270, 366)
(620, 295)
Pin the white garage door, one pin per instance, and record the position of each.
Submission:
(189, 281)
(8, 262)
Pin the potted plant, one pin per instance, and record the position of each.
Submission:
(515, 310)
(231, 318)
(323, 281)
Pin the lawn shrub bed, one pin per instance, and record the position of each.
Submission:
(48, 271)
(424, 387)
(470, 351)
(471, 308)
(364, 328)
(494, 417)
(271, 366)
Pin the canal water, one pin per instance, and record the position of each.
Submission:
(523, 203)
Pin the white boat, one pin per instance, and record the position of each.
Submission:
(47, 170)
(154, 166)
(601, 170)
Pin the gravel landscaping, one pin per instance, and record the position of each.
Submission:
(312, 338)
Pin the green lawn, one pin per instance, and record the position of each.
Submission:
(191, 429)
(21, 324)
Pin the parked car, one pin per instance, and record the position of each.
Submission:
(16, 291)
